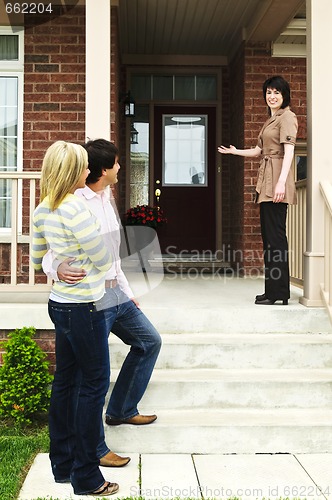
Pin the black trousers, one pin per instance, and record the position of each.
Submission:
(275, 246)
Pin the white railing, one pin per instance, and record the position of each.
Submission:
(296, 230)
(23, 203)
(296, 233)
(326, 287)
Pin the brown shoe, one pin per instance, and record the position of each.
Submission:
(135, 420)
(106, 490)
(113, 460)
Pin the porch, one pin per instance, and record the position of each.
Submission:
(20, 285)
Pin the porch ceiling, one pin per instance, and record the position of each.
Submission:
(200, 27)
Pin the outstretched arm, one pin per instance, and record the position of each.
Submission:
(232, 150)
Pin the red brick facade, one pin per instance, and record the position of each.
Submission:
(54, 84)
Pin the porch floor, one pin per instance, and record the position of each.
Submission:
(190, 302)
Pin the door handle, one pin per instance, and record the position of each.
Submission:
(157, 193)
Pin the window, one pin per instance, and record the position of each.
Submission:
(174, 87)
(300, 159)
(184, 146)
(139, 158)
(11, 119)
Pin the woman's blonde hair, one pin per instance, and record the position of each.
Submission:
(63, 164)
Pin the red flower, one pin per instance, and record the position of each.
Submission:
(145, 215)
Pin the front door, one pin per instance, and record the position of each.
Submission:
(184, 177)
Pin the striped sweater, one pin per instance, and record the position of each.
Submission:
(72, 231)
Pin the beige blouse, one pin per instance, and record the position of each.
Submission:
(279, 129)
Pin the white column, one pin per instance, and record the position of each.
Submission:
(98, 69)
(319, 111)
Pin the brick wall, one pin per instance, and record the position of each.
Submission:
(236, 124)
(256, 64)
(225, 170)
(54, 84)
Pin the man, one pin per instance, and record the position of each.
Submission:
(123, 315)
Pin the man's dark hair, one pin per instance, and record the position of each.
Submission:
(280, 84)
(101, 154)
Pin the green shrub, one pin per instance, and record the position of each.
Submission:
(24, 377)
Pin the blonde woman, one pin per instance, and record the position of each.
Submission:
(63, 223)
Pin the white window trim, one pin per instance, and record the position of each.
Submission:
(19, 64)
(16, 69)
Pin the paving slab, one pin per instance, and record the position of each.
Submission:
(319, 467)
(39, 482)
(168, 476)
(252, 477)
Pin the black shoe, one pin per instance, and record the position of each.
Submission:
(268, 302)
(260, 297)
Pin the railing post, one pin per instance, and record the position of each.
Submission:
(328, 259)
(14, 233)
(32, 205)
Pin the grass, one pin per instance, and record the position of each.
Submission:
(18, 448)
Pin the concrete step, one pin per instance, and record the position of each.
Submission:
(215, 388)
(227, 431)
(239, 318)
(227, 351)
(232, 377)
(223, 305)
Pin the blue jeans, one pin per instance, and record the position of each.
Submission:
(130, 325)
(75, 415)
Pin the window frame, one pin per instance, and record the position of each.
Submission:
(15, 69)
(299, 150)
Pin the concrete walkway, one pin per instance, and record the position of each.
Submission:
(248, 477)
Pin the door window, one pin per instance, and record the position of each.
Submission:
(184, 150)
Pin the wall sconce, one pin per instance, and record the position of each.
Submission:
(133, 135)
(128, 103)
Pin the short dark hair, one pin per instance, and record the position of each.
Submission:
(101, 154)
(280, 84)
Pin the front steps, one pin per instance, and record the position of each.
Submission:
(227, 432)
(235, 392)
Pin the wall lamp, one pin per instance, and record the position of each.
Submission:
(133, 135)
(128, 104)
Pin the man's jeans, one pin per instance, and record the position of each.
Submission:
(128, 323)
(74, 418)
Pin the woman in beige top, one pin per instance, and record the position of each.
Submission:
(275, 187)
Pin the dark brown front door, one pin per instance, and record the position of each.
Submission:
(184, 172)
